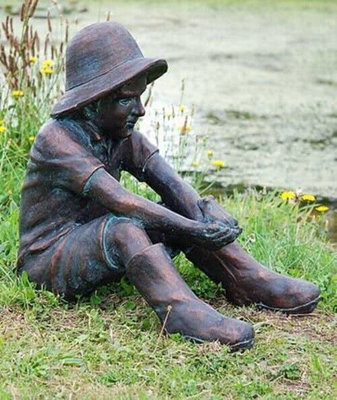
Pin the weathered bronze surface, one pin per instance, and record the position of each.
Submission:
(79, 228)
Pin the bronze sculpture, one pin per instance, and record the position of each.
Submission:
(79, 228)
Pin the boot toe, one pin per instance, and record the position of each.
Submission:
(243, 336)
(237, 338)
(307, 299)
(199, 322)
(298, 297)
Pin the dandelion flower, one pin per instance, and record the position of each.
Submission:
(322, 208)
(288, 195)
(182, 108)
(31, 138)
(48, 63)
(33, 59)
(183, 129)
(17, 93)
(195, 164)
(47, 67)
(46, 70)
(210, 153)
(308, 197)
(2, 129)
(218, 163)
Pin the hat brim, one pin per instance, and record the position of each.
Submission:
(82, 95)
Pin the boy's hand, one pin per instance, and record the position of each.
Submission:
(212, 211)
(213, 235)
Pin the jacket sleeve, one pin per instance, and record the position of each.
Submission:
(62, 159)
(137, 153)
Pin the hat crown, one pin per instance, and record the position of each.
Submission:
(96, 50)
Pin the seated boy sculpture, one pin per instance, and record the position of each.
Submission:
(79, 228)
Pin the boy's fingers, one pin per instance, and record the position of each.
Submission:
(234, 222)
(222, 237)
(228, 234)
(219, 244)
(237, 231)
(218, 231)
(205, 204)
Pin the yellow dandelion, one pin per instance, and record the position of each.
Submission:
(195, 164)
(31, 138)
(47, 71)
(17, 93)
(184, 128)
(308, 197)
(47, 63)
(322, 209)
(182, 108)
(210, 153)
(2, 129)
(9, 192)
(288, 195)
(33, 59)
(218, 163)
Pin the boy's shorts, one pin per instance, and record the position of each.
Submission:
(78, 263)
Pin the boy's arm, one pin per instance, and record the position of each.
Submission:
(177, 194)
(102, 187)
(180, 196)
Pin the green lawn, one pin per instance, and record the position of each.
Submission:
(110, 345)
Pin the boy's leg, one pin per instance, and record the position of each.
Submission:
(149, 267)
(246, 281)
(152, 272)
(107, 248)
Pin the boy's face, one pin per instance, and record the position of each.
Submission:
(118, 113)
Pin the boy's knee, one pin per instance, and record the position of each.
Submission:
(125, 236)
(119, 230)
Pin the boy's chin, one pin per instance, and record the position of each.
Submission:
(122, 133)
(127, 132)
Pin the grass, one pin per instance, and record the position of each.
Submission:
(110, 346)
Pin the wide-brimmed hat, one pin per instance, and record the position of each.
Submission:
(99, 59)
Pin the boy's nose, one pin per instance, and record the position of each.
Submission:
(139, 108)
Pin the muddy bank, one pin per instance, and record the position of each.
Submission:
(263, 80)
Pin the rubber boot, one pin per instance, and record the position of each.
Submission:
(248, 282)
(156, 278)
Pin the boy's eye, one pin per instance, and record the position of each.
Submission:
(125, 101)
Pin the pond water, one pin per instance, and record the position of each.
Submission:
(262, 78)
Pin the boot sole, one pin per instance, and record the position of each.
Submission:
(243, 345)
(302, 309)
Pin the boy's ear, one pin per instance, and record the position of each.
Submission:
(90, 110)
